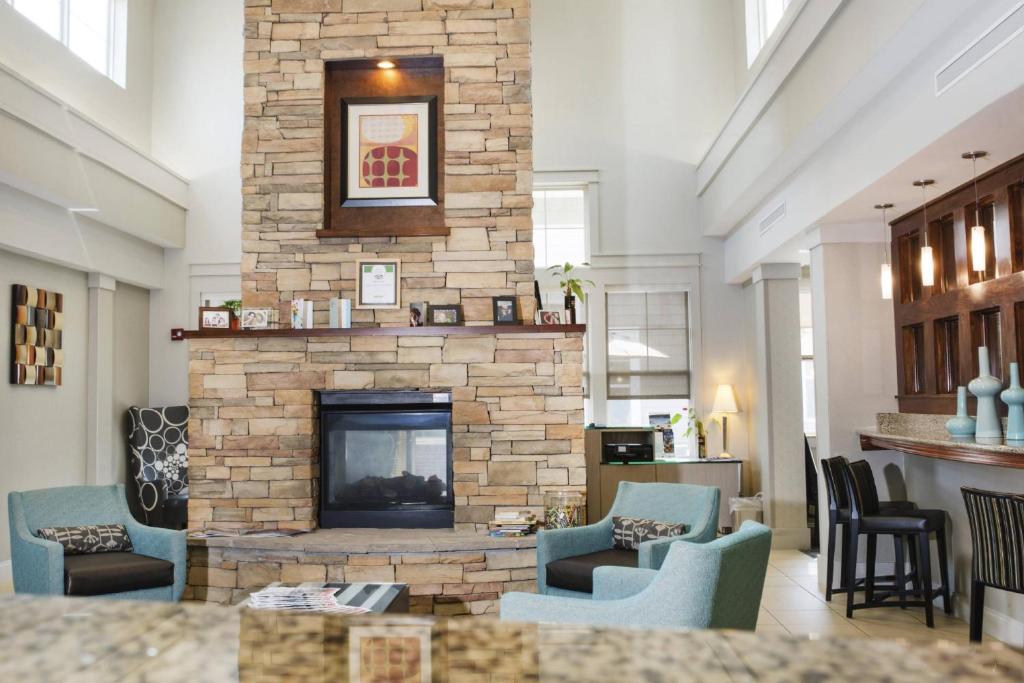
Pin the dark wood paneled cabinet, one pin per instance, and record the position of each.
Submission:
(939, 328)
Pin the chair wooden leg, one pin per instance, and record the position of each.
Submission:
(915, 572)
(842, 569)
(850, 567)
(831, 558)
(977, 610)
(869, 569)
(940, 543)
(901, 579)
(925, 570)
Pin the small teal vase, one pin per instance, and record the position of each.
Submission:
(985, 387)
(961, 425)
(1014, 398)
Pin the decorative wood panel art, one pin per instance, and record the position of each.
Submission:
(37, 345)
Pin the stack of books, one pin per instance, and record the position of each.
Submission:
(305, 598)
(515, 523)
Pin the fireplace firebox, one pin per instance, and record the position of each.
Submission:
(386, 459)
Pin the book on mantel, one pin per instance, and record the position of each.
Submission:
(517, 523)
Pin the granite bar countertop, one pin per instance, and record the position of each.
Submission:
(91, 639)
(930, 430)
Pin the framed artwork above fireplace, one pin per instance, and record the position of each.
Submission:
(389, 151)
(384, 148)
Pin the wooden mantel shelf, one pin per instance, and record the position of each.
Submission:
(997, 455)
(427, 331)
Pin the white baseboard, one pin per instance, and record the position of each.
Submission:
(996, 625)
(791, 538)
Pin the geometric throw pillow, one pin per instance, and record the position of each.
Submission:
(629, 532)
(91, 538)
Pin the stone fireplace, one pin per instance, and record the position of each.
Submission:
(515, 393)
(386, 459)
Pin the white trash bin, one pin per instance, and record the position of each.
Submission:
(743, 509)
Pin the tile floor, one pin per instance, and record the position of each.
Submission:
(792, 604)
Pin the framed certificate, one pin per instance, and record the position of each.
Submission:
(377, 284)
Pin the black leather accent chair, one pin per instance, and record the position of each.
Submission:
(103, 573)
(577, 573)
(158, 452)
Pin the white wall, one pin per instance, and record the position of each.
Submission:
(635, 91)
(31, 52)
(43, 428)
(131, 366)
(197, 130)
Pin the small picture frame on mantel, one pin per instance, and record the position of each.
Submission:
(450, 315)
(378, 283)
(215, 318)
(505, 310)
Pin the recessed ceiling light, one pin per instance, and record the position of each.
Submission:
(385, 64)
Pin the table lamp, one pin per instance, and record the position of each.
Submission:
(725, 403)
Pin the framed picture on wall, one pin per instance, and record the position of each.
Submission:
(378, 283)
(389, 151)
(504, 310)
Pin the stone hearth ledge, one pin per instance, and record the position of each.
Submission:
(386, 541)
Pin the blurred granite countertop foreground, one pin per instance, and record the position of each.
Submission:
(90, 639)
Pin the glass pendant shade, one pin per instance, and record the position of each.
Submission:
(927, 267)
(886, 281)
(978, 248)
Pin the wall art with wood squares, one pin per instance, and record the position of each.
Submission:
(37, 336)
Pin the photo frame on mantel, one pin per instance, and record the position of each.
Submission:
(378, 283)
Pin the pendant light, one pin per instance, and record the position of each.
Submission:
(977, 233)
(927, 260)
(886, 274)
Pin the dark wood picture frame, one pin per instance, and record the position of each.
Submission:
(453, 308)
(222, 309)
(496, 303)
(361, 79)
(346, 150)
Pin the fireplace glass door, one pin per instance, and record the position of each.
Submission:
(387, 460)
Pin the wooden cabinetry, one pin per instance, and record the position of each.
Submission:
(939, 328)
(603, 480)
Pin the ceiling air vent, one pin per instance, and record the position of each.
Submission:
(773, 217)
(980, 49)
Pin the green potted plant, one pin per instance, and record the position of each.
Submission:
(236, 312)
(571, 287)
(694, 424)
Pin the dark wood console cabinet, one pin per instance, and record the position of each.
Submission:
(939, 328)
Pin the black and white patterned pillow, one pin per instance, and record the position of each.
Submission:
(629, 532)
(91, 538)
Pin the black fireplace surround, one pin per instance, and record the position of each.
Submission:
(386, 459)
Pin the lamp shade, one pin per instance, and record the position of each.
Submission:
(725, 400)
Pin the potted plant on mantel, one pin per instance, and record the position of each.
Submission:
(571, 286)
(236, 312)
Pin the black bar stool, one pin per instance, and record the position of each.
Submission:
(997, 542)
(917, 526)
(839, 513)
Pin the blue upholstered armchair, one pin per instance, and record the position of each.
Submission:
(39, 565)
(694, 506)
(710, 585)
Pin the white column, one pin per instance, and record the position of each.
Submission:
(100, 381)
(778, 419)
(854, 361)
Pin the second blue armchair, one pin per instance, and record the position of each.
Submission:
(39, 565)
(589, 546)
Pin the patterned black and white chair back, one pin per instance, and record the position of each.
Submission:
(158, 447)
(997, 537)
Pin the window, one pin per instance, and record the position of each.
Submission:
(762, 16)
(559, 226)
(95, 30)
(807, 360)
(648, 345)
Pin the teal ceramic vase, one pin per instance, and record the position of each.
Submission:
(985, 387)
(1014, 398)
(961, 425)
